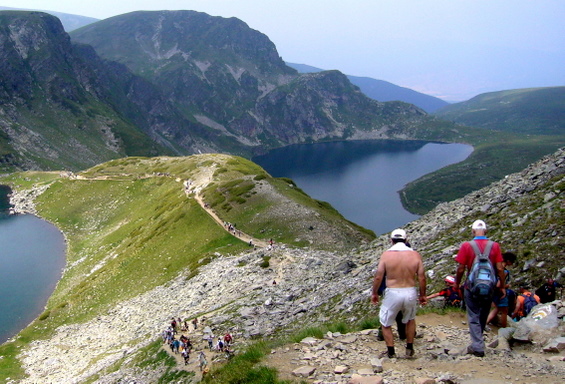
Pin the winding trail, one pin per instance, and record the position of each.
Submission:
(193, 188)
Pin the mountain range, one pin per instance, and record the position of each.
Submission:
(384, 91)
(172, 82)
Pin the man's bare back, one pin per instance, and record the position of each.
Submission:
(400, 267)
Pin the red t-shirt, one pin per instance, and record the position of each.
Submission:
(466, 254)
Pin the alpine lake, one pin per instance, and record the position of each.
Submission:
(361, 179)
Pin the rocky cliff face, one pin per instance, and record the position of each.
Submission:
(60, 106)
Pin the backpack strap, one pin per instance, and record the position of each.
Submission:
(486, 252)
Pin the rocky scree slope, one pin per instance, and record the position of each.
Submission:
(313, 287)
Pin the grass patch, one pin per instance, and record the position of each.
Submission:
(244, 368)
(266, 262)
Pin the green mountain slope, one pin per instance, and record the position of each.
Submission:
(538, 111)
(132, 224)
(230, 78)
(68, 20)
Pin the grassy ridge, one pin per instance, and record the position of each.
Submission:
(130, 227)
(489, 162)
(537, 111)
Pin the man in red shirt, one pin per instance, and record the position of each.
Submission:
(477, 311)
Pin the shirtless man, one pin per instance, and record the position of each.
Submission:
(401, 264)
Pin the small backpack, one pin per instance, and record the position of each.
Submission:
(529, 302)
(453, 298)
(482, 276)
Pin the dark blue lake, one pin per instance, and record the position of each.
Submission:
(361, 179)
(32, 257)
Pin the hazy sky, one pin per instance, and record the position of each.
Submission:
(453, 49)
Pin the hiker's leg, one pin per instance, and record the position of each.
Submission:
(492, 315)
(410, 331)
(389, 338)
(504, 317)
(400, 326)
(473, 318)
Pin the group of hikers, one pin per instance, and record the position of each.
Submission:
(182, 345)
(485, 294)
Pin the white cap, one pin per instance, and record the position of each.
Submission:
(479, 224)
(450, 279)
(398, 234)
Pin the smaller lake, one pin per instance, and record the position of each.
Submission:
(32, 258)
(361, 179)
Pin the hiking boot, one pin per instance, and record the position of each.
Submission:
(380, 336)
(409, 353)
(385, 354)
(475, 353)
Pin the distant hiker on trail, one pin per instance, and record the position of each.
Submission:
(220, 345)
(481, 281)
(401, 264)
(451, 293)
(195, 323)
(202, 362)
(228, 339)
(525, 302)
(185, 355)
(504, 305)
(210, 340)
(548, 291)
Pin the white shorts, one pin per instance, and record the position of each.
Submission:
(396, 300)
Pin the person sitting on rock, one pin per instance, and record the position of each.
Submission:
(548, 291)
(523, 307)
(450, 293)
(504, 305)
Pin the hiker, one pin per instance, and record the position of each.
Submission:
(504, 305)
(185, 355)
(400, 264)
(220, 344)
(175, 346)
(210, 340)
(401, 328)
(174, 325)
(547, 292)
(228, 339)
(525, 302)
(195, 323)
(478, 295)
(202, 362)
(451, 293)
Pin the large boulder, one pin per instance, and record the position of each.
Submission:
(540, 326)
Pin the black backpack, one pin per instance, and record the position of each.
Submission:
(482, 276)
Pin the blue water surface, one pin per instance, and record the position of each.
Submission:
(361, 179)
(32, 257)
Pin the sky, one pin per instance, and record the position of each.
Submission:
(451, 49)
